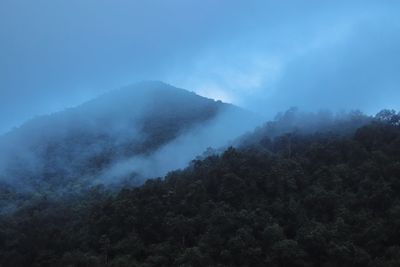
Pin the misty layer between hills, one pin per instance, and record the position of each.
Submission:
(139, 132)
(128, 135)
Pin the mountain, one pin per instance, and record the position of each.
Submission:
(299, 198)
(114, 134)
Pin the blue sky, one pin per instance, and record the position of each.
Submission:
(263, 55)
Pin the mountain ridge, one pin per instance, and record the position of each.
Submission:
(82, 141)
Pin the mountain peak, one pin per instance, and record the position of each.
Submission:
(132, 121)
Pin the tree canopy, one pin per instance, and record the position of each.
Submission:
(295, 199)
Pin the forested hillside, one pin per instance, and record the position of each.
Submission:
(74, 148)
(322, 198)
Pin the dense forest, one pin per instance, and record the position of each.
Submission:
(283, 195)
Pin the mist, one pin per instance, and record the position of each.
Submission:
(216, 134)
(127, 135)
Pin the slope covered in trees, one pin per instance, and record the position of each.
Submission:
(69, 149)
(327, 198)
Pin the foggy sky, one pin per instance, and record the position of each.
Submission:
(263, 55)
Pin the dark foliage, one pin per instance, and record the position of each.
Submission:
(320, 199)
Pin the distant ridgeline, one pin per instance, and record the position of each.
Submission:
(68, 150)
(303, 190)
